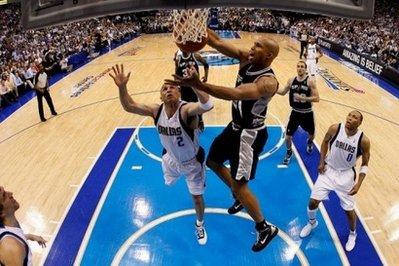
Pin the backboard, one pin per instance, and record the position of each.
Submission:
(41, 13)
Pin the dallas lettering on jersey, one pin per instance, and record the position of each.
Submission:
(345, 146)
(169, 131)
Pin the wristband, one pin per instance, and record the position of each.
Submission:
(206, 106)
(363, 169)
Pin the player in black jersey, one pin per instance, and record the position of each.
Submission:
(302, 92)
(244, 138)
(183, 61)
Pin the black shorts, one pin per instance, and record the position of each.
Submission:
(305, 120)
(241, 148)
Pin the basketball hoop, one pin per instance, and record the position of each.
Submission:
(189, 28)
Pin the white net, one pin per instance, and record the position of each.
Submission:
(190, 25)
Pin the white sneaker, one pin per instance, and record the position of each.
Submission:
(308, 228)
(350, 244)
(202, 237)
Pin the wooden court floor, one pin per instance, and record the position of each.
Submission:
(44, 163)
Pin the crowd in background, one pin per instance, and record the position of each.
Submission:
(21, 50)
(377, 38)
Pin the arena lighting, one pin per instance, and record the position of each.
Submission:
(42, 13)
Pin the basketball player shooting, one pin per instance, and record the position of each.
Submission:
(246, 134)
(177, 125)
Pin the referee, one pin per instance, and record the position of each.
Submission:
(42, 90)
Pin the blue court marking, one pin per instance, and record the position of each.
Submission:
(364, 250)
(70, 235)
(137, 197)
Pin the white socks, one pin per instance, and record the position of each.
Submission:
(199, 223)
(312, 215)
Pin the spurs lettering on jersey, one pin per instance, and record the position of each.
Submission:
(344, 149)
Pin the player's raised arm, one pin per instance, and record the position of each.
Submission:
(127, 102)
(202, 60)
(226, 48)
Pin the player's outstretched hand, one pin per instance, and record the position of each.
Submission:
(119, 76)
(191, 79)
(40, 240)
(354, 190)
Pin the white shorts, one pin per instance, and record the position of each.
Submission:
(311, 66)
(193, 170)
(341, 182)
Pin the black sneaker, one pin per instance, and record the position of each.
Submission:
(237, 206)
(287, 158)
(43, 119)
(264, 237)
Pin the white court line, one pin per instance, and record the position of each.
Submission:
(330, 227)
(128, 243)
(73, 200)
(366, 228)
(376, 231)
(282, 166)
(137, 167)
(100, 204)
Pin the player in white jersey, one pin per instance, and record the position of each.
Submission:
(312, 55)
(14, 248)
(337, 171)
(177, 125)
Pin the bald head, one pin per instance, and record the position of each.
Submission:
(271, 46)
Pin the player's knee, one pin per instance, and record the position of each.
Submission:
(313, 204)
(288, 138)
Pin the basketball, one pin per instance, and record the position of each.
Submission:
(191, 46)
(189, 29)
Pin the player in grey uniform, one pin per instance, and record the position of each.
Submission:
(243, 139)
(302, 92)
(14, 248)
(177, 125)
(337, 171)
